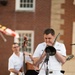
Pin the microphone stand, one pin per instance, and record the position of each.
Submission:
(50, 51)
(46, 60)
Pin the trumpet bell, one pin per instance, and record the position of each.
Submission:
(51, 50)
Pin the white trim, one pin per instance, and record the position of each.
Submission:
(73, 39)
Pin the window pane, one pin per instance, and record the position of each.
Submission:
(20, 5)
(21, 1)
(24, 5)
(27, 5)
(31, 1)
(28, 1)
(31, 5)
(24, 1)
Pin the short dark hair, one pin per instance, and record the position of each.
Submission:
(49, 31)
(15, 43)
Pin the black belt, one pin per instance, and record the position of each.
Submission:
(62, 71)
(50, 72)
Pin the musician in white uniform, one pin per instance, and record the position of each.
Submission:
(15, 62)
(56, 61)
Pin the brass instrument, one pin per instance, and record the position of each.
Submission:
(51, 50)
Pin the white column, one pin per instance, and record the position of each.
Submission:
(73, 39)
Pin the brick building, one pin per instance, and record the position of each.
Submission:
(58, 15)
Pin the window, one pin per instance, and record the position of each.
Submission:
(30, 42)
(25, 5)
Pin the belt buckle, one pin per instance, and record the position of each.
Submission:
(50, 72)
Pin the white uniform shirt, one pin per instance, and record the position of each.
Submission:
(53, 64)
(15, 61)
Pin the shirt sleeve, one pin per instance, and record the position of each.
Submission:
(10, 64)
(36, 52)
(60, 47)
(39, 50)
(63, 51)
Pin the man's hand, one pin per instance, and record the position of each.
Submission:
(38, 60)
(19, 73)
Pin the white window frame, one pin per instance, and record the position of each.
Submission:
(32, 38)
(18, 8)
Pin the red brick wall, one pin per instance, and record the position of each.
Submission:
(37, 21)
